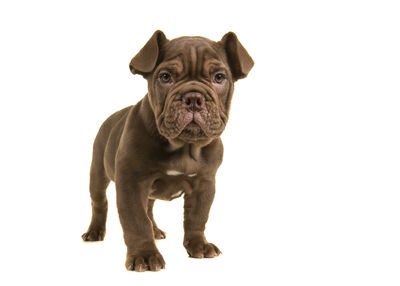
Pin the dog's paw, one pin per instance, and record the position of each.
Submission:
(158, 233)
(145, 262)
(201, 249)
(94, 235)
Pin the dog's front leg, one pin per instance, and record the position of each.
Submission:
(132, 198)
(197, 207)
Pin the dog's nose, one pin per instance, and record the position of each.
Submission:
(194, 101)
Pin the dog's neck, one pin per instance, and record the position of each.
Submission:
(149, 121)
(193, 151)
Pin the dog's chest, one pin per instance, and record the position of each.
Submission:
(179, 175)
(172, 186)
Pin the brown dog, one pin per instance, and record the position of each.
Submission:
(167, 144)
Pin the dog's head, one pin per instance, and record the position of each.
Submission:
(190, 83)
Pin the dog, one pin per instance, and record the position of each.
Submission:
(168, 144)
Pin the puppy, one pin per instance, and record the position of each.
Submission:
(168, 144)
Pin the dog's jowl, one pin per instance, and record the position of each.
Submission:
(167, 145)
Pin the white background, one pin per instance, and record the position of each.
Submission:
(308, 193)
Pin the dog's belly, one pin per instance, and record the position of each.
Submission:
(171, 186)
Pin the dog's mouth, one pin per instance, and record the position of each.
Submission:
(177, 121)
(194, 121)
(193, 129)
(192, 132)
(192, 126)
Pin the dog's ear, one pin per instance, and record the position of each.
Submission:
(145, 61)
(239, 60)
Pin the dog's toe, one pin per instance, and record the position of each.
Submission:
(159, 234)
(94, 235)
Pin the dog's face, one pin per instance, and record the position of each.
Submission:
(190, 82)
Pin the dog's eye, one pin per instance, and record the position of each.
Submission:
(165, 77)
(219, 77)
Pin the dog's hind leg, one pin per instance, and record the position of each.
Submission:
(104, 149)
(158, 233)
(98, 185)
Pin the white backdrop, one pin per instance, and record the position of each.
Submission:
(308, 193)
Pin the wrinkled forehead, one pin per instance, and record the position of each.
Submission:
(193, 55)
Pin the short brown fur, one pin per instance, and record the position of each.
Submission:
(168, 144)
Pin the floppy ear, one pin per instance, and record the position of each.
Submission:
(239, 60)
(146, 60)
